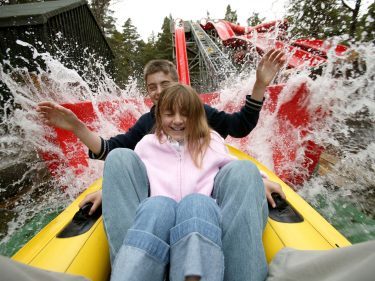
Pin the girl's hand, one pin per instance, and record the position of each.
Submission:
(272, 187)
(95, 198)
(58, 116)
(269, 65)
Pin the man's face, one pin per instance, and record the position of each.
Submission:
(156, 83)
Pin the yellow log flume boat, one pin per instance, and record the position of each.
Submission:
(294, 223)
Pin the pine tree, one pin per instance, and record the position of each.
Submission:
(100, 10)
(127, 47)
(354, 18)
(365, 29)
(254, 19)
(109, 24)
(316, 18)
(148, 50)
(164, 46)
(230, 15)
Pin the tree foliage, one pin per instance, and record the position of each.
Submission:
(322, 19)
(127, 47)
(230, 15)
(100, 9)
(132, 53)
(148, 49)
(365, 30)
(164, 46)
(317, 18)
(354, 18)
(254, 19)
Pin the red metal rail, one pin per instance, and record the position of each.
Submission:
(181, 54)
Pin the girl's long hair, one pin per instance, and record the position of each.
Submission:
(186, 101)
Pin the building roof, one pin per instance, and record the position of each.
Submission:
(35, 13)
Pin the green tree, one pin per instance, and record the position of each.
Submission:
(318, 18)
(148, 50)
(355, 13)
(100, 9)
(127, 47)
(331, 17)
(132, 53)
(230, 15)
(254, 19)
(115, 41)
(365, 29)
(109, 24)
(163, 45)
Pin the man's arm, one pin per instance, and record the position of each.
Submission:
(240, 124)
(142, 127)
(267, 69)
(58, 116)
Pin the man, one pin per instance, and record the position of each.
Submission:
(125, 184)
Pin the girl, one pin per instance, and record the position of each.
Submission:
(179, 224)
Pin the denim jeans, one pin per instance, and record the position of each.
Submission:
(186, 235)
(238, 190)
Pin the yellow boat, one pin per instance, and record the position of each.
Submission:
(295, 224)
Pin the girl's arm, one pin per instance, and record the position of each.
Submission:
(272, 187)
(95, 198)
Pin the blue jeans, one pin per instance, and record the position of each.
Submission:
(186, 235)
(238, 190)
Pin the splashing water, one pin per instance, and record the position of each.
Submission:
(29, 196)
(341, 103)
(345, 195)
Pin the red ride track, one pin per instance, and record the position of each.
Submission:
(302, 52)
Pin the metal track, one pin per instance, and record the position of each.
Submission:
(214, 64)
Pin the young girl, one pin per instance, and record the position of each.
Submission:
(179, 224)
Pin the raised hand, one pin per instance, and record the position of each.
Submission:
(56, 115)
(269, 65)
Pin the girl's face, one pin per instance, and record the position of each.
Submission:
(173, 124)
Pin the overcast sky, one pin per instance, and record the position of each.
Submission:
(148, 15)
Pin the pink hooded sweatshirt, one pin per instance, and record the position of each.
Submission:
(172, 173)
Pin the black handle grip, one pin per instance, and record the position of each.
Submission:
(81, 221)
(283, 212)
